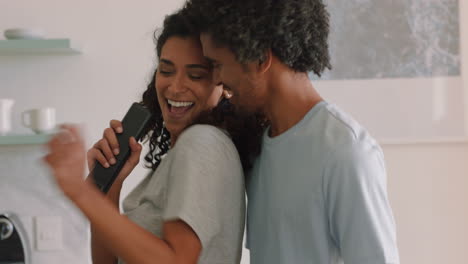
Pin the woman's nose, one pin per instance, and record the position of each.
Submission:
(177, 85)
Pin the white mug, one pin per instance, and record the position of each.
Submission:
(40, 120)
(5, 115)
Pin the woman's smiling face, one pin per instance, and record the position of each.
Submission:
(184, 83)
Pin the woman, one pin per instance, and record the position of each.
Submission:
(191, 209)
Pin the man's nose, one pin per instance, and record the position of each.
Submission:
(216, 77)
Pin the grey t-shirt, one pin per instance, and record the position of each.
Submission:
(201, 182)
(318, 194)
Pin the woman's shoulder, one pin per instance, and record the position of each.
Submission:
(206, 143)
(205, 135)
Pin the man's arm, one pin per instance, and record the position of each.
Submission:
(361, 220)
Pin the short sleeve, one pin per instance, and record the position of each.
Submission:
(204, 173)
(360, 218)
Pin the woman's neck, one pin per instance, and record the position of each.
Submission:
(173, 138)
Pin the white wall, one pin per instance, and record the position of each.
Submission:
(426, 181)
(427, 185)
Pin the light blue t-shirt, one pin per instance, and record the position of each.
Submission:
(318, 194)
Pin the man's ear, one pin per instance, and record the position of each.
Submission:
(265, 64)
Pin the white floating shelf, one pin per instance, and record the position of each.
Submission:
(38, 47)
(32, 139)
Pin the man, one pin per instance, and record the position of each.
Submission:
(317, 192)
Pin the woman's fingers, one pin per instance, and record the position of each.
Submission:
(70, 134)
(67, 139)
(133, 160)
(91, 159)
(116, 125)
(135, 151)
(105, 148)
(111, 137)
(50, 159)
(95, 154)
(66, 158)
(65, 148)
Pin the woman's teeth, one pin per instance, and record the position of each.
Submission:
(179, 104)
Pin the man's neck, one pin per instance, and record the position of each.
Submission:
(291, 98)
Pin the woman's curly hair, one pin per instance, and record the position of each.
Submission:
(295, 30)
(245, 130)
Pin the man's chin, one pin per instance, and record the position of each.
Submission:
(243, 109)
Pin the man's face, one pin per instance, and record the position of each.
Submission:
(241, 80)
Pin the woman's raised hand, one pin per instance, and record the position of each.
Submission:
(107, 148)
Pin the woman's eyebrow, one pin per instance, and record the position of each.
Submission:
(167, 62)
(189, 66)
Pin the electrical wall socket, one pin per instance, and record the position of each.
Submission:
(48, 233)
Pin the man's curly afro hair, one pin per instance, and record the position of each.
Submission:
(295, 30)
